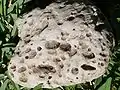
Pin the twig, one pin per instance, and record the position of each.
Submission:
(10, 1)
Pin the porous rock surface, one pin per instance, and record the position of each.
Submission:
(60, 45)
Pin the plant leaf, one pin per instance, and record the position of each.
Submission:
(38, 87)
(4, 85)
(106, 85)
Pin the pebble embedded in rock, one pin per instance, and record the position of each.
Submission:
(71, 17)
(61, 65)
(75, 71)
(102, 64)
(56, 59)
(63, 38)
(27, 50)
(32, 54)
(30, 21)
(36, 70)
(31, 66)
(47, 68)
(65, 46)
(39, 48)
(51, 51)
(89, 55)
(42, 76)
(21, 69)
(22, 60)
(87, 67)
(23, 79)
(72, 52)
(52, 44)
(49, 77)
(60, 22)
(63, 33)
(103, 54)
(88, 34)
(27, 40)
(13, 67)
(62, 57)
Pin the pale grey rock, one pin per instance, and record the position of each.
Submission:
(63, 44)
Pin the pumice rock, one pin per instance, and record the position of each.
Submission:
(61, 45)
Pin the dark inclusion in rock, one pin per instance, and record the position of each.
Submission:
(75, 71)
(52, 44)
(87, 67)
(65, 47)
(32, 54)
(21, 69)
(39, 48)
(89, 55)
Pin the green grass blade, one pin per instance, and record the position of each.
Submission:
(38, 87)
(106, 85)
(4, 85)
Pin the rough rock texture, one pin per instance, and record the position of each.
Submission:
(60, 45)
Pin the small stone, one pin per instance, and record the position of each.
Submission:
(32, 54)
(75, 71)
(52, 52)
(60, 75)
(36, 70)
(81, 43)
(23, 79)
(71, 17)
(39, 48)
(88, 34)
(103, 54)
(61, 6)
(61, 65)
(62, 57)
(102, 64)
(64, 33)
(12, 74)
(60, 22)
(72, 52)
(42, 76)
(49, 77)
(21, 69)
(73, 12)
(30, 21)
(22, 60)
(87, 67)
(84, 46)
(63, 38)
(81, 37)
(27, 50)
(65, 46)
(52, 44)
(56, 59)
(89, 55)
(47, 68)
(13, 67)
(93, 61)
(31, 66)
(27, 40)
